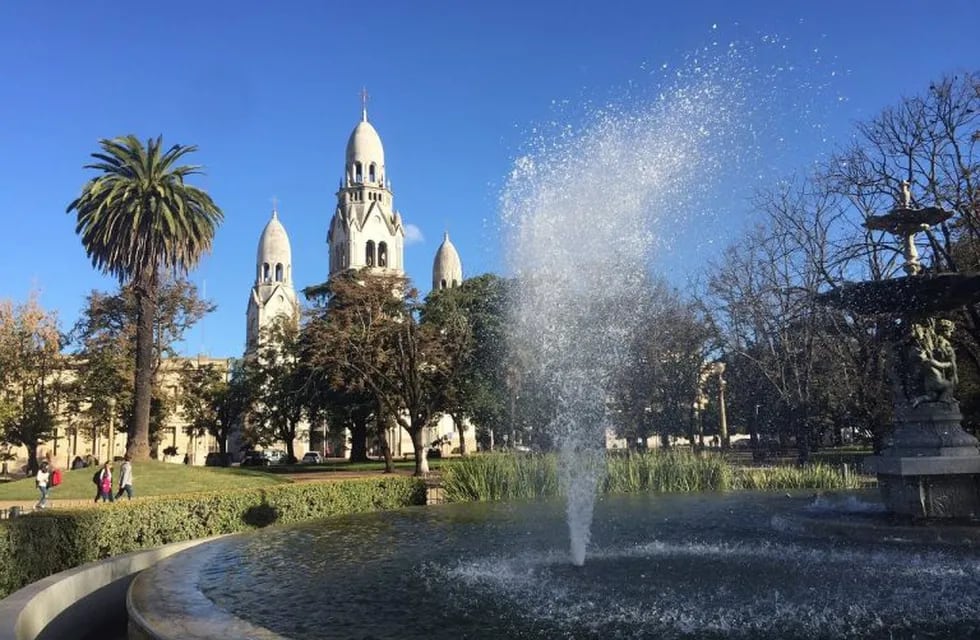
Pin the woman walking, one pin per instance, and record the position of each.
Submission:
(42, 479)
(103, 480)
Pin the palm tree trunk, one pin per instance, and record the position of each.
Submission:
(138, 444)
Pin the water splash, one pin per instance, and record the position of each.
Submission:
(584, 210)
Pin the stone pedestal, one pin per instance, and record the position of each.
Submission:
(930, 467)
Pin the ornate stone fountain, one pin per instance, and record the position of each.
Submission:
(930, 467)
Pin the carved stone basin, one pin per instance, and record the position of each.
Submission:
(903, 220)
(923, 295)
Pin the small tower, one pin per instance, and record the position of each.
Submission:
(365, 230)
(447, 268)
(272, 295)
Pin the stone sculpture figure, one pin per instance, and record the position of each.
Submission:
(933, 362)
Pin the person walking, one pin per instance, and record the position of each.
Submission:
(42, 479)
(126, 478)
(103, 482)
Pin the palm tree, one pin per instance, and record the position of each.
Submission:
(137, 219)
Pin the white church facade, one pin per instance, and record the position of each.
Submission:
(365, 232)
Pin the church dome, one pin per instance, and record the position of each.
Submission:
(447, 268)
(274, 256)
(364, 146)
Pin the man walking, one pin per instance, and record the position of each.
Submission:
(126, 478)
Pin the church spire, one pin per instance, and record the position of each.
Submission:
(364, 101)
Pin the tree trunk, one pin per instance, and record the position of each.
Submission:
(421, 462)
(32, 463)
(290, 449)
(461, 429)
(385, 448)
(138, 441)
(358, 440)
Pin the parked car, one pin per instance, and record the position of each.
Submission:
(256, 459)
(216, 459)
(312, 457)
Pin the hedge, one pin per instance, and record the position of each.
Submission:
(40, 544)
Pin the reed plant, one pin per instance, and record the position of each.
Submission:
(668, 471)
(812, 476)
(500, 476)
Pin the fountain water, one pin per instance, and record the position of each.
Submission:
(582, 212)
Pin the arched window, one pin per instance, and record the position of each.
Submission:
(279, 272)
(358, 173)
(265, 272)
(371, 175)
(382, 254)
(442, 284)
(455, 284)
(369, 253)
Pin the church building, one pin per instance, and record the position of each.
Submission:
(366, 231)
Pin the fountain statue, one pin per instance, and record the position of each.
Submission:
(929, 467)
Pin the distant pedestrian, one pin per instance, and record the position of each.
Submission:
(77, 463)
(126, 478)
(187, 458)
(103, 483)
(42, 479)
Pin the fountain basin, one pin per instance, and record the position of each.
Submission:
(678, 566)
(923, 294)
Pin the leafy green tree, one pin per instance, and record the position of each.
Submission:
(369, 337)
(276, 380)
(31, 366)
(476, 311)
(105, 349)
(214, 401)
(138, 220)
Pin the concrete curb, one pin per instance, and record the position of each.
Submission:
(80, 598)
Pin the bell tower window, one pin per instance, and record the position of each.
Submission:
(442, 284)
(279, 272)
(265, 272)
(358, 173)
(371, 173)
(382, 254)
(369, 253)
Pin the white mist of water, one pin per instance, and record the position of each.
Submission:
(584, 212)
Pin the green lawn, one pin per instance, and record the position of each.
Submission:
(150, 478)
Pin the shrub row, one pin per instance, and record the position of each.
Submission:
(38, 545)
(508, 477)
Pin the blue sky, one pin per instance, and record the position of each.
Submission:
(269, 92)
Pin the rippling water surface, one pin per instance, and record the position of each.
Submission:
(665, 567)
